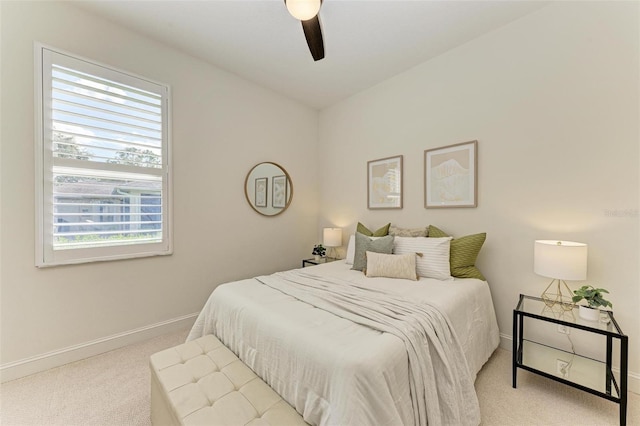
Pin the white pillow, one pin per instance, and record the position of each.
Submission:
(434, 262)
(351, 250)
(391, 265)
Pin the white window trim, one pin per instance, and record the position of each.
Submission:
(45, 256)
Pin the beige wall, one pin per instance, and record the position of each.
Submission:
(222, 126)
(553, 101)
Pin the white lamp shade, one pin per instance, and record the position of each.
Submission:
(332, 237)
(562, 260)
(303, 9)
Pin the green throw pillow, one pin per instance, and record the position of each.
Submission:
(379, 233)
(436, 233)
(365, 244)
(463, 254)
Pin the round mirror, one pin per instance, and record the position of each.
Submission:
(268, 189)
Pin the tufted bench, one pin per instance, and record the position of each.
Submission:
(202, 382)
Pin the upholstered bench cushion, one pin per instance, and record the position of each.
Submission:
(202, 382)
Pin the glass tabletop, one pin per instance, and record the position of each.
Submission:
(567, 314)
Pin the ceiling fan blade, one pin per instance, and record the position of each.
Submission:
(313, 34)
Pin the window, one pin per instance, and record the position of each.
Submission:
(102, 162)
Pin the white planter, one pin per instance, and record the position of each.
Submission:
(317, 257)
(589, 314)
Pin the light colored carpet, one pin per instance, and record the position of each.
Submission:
(540, 401)
(112, 389)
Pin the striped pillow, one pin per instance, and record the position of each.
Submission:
(433, 255)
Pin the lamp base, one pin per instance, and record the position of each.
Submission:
(558, 299)
(332, 250)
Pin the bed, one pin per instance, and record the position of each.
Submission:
(337, 368)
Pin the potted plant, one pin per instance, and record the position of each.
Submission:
(594, 298)
(319, 251)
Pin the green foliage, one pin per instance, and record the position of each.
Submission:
(592, 295)
(319, 250)
(66, 147)
(136, 157)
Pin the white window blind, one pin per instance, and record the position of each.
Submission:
(103, 163)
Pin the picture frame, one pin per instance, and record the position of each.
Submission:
(279, 191)
(451, 176)
(261, 187)
(384, 183)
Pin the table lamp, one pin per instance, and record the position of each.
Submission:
(331, 238)
(560, 260)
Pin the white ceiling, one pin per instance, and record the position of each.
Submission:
(366, 42)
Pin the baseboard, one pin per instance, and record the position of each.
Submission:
(634, 382)
(633, 378)
(35, 364)
(506, 342)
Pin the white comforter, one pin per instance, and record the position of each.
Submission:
(331, 369)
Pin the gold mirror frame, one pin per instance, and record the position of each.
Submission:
(264, 188)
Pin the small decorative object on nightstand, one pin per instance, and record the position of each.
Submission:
(318, 252)
(594, 298)
(560, 260)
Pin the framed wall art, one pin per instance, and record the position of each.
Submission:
(384, 183)
(279, 191)
(451, 176)
(261, 192)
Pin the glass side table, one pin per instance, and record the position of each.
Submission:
(313, 261)
(540, 354)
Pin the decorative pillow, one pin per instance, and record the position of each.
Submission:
(351, 250)
(408, 232)
(379, 233)
(365, 244)
(434, 232)
(391, 265)
(433, 255)
(464, 252)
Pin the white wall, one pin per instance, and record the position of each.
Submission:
(553, 101)
(222, 126)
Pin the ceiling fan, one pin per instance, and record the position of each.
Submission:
(307, 12)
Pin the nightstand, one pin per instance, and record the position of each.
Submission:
(312, 261)
(544, 348)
